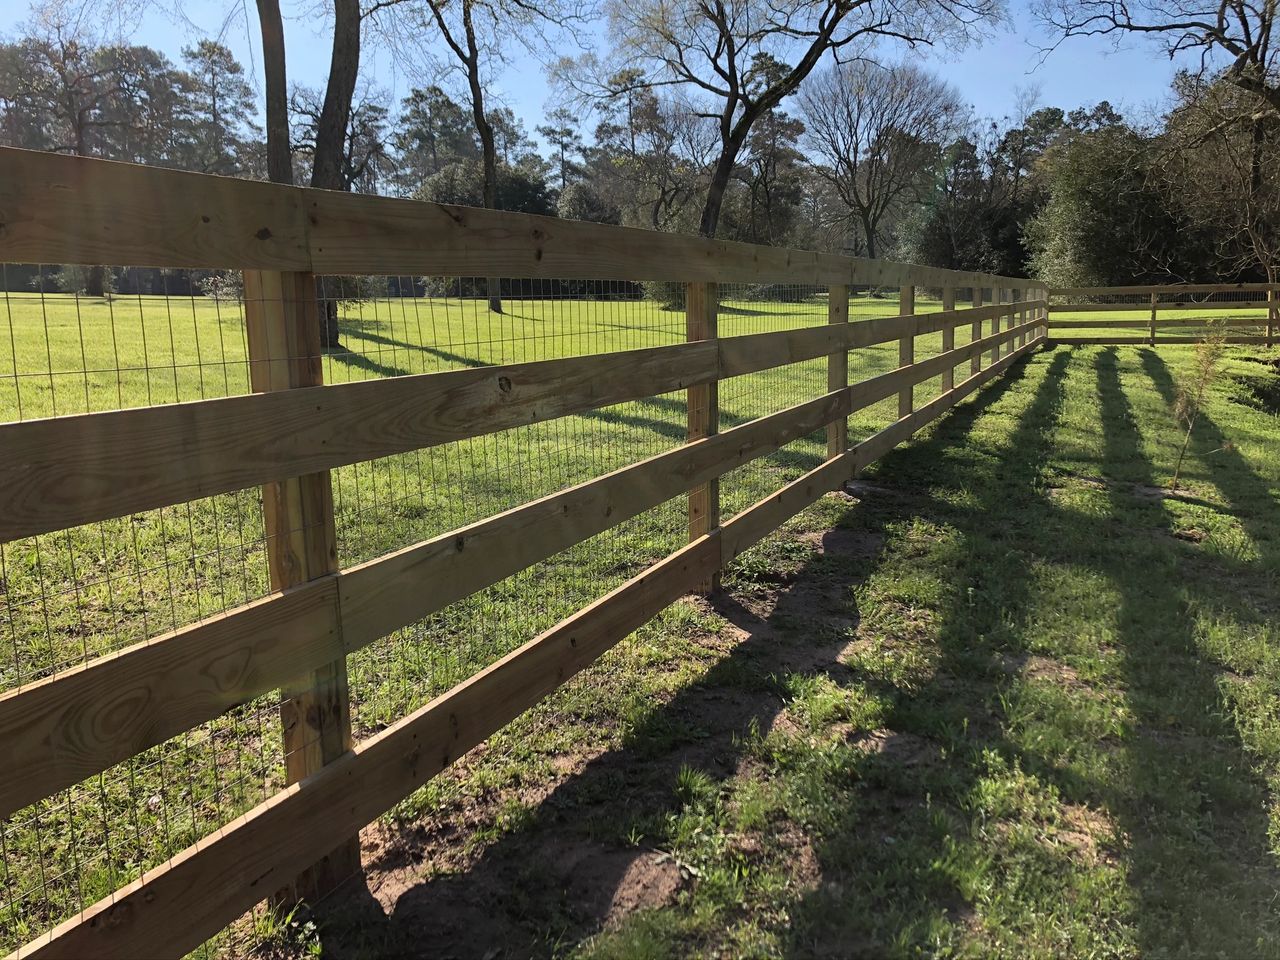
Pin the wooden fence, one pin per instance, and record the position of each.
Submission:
(287, 436)
(1252, 307)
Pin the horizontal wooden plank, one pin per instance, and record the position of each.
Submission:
(56, 208)
(62, 730)
(1209, 305)
(1259, 321)
(175, 907)
(390, 592)
(1175, 288)
(66, 471)
(875, 389)
(69, 727)
(64, 209)
(1146, 341)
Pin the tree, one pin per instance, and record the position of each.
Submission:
(222, 110)
(433, 131)
(1241, 31)
(565, 141)
(1221, 154)
(476, 34)
(879, 133)
(519, 188)
(364, 162)
(740, 58)
(1106, 221)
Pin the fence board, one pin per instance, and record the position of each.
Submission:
(66, 471)
(66, 728)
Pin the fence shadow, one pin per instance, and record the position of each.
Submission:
(1189, 815)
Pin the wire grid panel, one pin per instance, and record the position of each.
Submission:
(66, 598)
(165, 337)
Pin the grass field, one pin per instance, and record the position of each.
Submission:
(1006, 700)
(71, 596)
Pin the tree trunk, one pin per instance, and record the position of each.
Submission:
(331, 130)
(488, 150)
(279, 156)
(715, 191)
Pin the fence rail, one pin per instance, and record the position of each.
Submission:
(63, 725)
(1253, 306)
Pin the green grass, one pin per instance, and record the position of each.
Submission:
(1054, 732)
(72, 596)
(1016, 704)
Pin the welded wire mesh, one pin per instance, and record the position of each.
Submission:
(148, 337)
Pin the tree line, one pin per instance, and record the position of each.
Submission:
(802, 123)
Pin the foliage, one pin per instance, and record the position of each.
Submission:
(225, 286)
(518, 188)
(1192, 391)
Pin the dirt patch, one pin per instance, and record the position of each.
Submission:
(906, 749)
(604, 885)
(1189, 535)
(1087, 833)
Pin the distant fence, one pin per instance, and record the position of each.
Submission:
(1250, 311)
(94, 684)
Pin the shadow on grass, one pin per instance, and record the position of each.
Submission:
(903, 858)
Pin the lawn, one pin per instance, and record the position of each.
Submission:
(1004, 698)
(1009, 705)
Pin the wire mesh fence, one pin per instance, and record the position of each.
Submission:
(1178, 312)
(169, 336)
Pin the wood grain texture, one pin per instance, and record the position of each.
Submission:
(975, 364)
(1145, 306)
(63, 209)
(837, 368)
(64, 729)
(66, 471)
(948, 336)
(282, 322)
(906, 349)
(174, 908)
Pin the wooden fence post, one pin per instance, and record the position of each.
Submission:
(282, 321)
(948, 337)
(1273, 314)
(1023, 294)
(907, 348)
(998, 298)
(1155, 305)
(837, 368)
(700, 313)
(975, 364)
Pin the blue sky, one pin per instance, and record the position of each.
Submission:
(1135, 77)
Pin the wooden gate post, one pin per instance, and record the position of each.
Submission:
(1022, 294)
(1155, 305)
(975, 363)
(837, 368)
(701, 322)
(282, 320)
(948, 337)
(907, 348)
